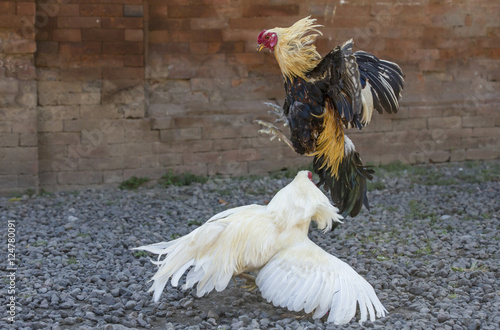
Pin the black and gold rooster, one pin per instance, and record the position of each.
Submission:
(325, 96)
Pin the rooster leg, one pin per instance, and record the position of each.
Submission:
(274, 132)
(249, 281)
(277, 112)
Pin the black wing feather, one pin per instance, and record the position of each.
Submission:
(385, 78)
(339, 79)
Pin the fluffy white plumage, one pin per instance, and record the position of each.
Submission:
(272, 240)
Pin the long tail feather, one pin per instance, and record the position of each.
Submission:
(348, 188)
(183, 253)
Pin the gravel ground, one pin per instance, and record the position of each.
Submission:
(429, 246)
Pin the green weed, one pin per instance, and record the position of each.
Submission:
(183, 179)
(133, 183)
(72, 261)
(139, 254)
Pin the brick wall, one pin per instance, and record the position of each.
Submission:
(91, 103)
(133, 87)
(18, 123)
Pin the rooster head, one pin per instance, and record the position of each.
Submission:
(267, 39)
(292, 46)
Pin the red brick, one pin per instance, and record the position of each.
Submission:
(271, 10)
(66, 35)
(8, 8)
(133, 10)
(134, 35)
(198, 47)
(72, 49)
(25, 8)
(101, 10)
(69, 10)
(157, 11)
(494, 53)
(196, 36)
(133, 60)
(101, 60)
(47, 47)
(169, 24)
(124, 2)
(20, 46)
(78, 22)
(123, 73)
(191, 11)
(122, 22)
(102, 34)
(124, 47)
(79, 74)
(208, 23)
(226, 47)
(11, 21)
(158, 37)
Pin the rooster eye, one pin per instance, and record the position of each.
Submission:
(267, 37)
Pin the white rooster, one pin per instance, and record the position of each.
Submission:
(293, 272)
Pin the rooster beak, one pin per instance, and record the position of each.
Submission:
(260, 47)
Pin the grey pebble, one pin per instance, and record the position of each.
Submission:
(429, 250)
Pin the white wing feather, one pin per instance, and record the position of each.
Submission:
(215, 251)
(324, 283)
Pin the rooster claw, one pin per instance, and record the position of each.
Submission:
(274, 131)
(277, 112)
(250, 284)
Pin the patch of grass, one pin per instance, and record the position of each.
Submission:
(482, 268)
(139, 254)
(225, 192)
(174, 236)
(30, 192)
(377, 185)
(426, 250)
(133, 183)
(396, 167)
(40, 243)
(194, 223)
(44, 192)
(183, 179)
(257, 191)
(392, 208)
(83, 235)
(290, 173)
(381, 258)
(473, 268)
(416, 212)
(452, 296)
(72, 261)
(457, 269)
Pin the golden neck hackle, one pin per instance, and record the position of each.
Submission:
(295, 51)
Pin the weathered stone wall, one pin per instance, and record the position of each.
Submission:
(93, 128)
(133, 87)
(18, 95)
